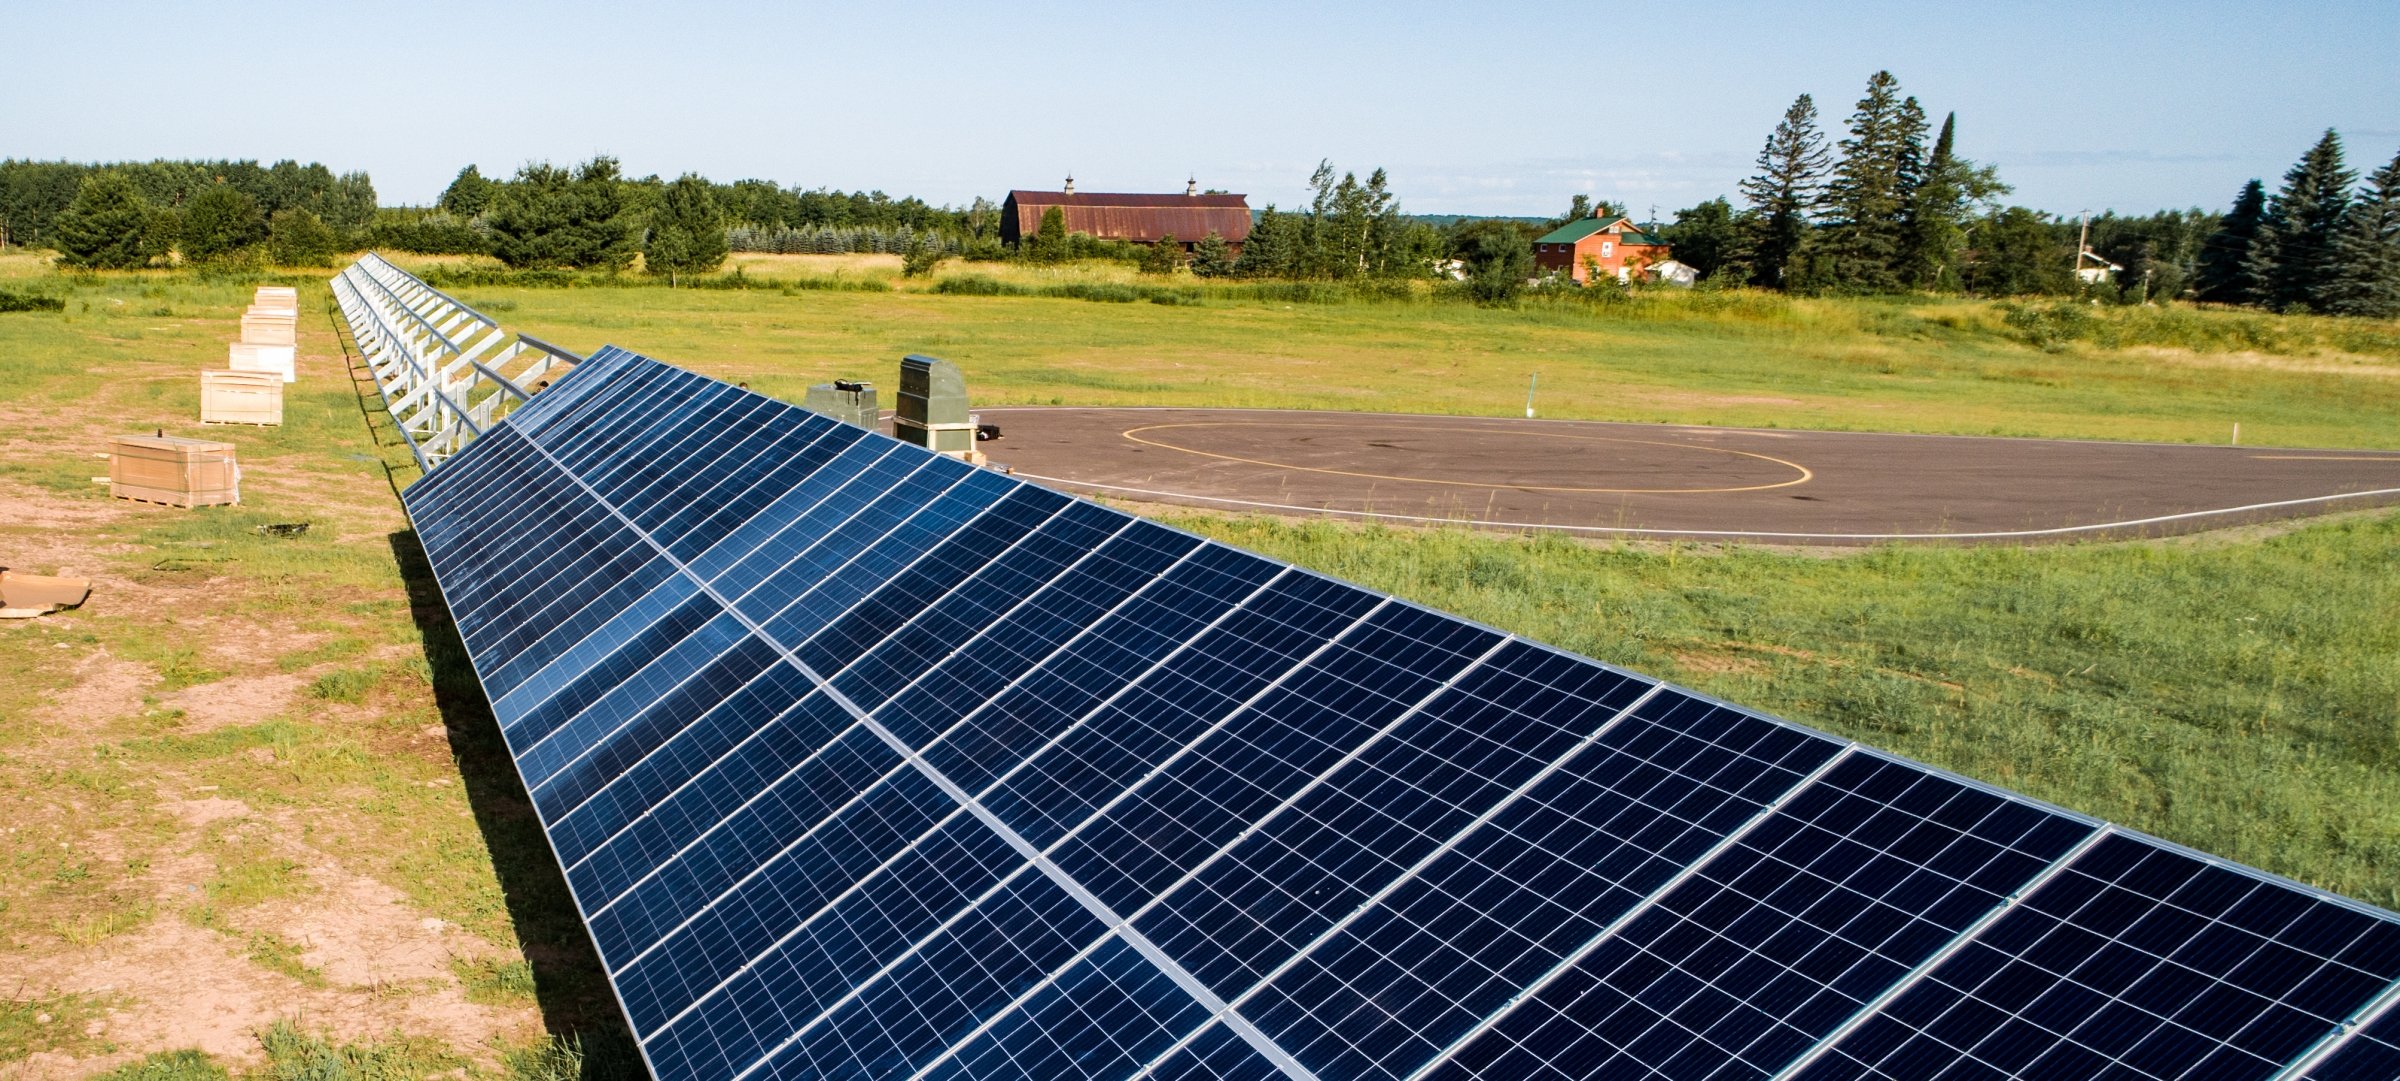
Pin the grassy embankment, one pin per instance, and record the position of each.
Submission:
(2237, 693)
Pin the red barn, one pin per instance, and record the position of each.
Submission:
(1609, 241)
(1138, 219)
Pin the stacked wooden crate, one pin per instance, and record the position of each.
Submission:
(261, 362)
(269, 333)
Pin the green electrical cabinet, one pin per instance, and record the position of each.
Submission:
(932, 409)
(843, 400)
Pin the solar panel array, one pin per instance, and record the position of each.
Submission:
(863, 762)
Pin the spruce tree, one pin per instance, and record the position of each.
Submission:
(1784, 196)
(2292, 257)
(2224, 272)
(219, 222)
(106, 226)
(2365, 279)
(1050, 237)
(1212, 257)
(1269, 251)
(468, 195)
(687, 231)
(1871, 185)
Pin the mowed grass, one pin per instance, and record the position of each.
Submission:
(2238, 696)
(1753, 360)
(2238, 692)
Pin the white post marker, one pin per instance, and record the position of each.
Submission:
(2237, 433)
(1529, 385)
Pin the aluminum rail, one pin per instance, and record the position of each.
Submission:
(445, 371)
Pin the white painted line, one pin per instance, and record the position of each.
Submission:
(1730, 534)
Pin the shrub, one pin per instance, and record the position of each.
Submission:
(24, 302)
(921, 257)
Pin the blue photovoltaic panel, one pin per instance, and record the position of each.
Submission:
(863, 762)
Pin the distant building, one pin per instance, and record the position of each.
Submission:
(1136, 219)
(1674, 273)
(1608, 241)
(2091, 269)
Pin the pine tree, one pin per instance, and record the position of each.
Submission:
(2365, 279)
(1871, 186)
(687, 231)
(106, 226)
(2292, 256)
(2224, 272)
(1212, 257)
(219, 222)
(468, 195)
(1786, 193)
(549, 217)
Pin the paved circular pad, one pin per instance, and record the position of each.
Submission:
(1672, 480)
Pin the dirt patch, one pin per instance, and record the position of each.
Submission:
(235, 701)
(105, 689)
(361, 933)
(2320, 364)
(1718, 664)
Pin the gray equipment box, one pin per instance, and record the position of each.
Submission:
(932, 409)
(851, 403)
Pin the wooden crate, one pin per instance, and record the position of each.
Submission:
(241, 398)
(173, 470)
(277, 296)
(246, 357)
(264, 328)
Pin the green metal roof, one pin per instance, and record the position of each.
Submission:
(1583, 227)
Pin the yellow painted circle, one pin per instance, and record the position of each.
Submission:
(1804, 477)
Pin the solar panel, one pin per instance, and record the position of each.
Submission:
(861, 761)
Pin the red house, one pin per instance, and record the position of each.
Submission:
(1610, 242)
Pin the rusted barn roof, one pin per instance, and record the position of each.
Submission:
(1126, 216)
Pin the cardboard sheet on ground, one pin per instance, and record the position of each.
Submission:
(23, 596)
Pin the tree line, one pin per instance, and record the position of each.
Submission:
(131, 214)
(1885, 210)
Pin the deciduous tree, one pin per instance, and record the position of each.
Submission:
(219, 222)
(297, 237)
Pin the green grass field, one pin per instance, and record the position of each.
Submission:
(240, 727)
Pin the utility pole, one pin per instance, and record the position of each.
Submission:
(2083, 241)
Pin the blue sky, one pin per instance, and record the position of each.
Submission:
(1474, 108)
